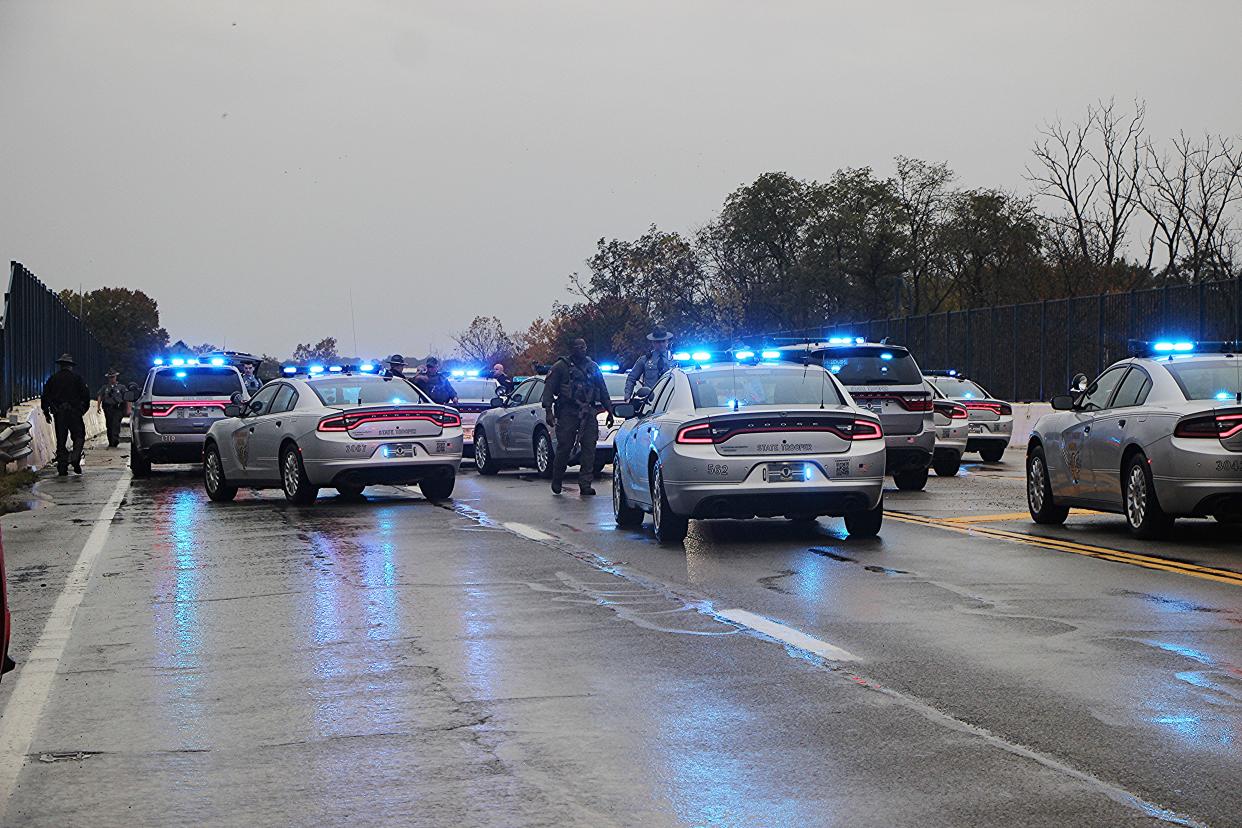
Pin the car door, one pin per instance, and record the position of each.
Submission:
(506, 420)
(1108, 435)
(527, 417)
(1077, 436)
(269, 428)
(646, 433)
(244, 442)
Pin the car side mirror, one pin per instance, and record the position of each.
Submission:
(496, 402)
(256, 406)
(130, 395)
(233, 410)
(623, 411)
(1063, 402)
(236, 398)
(641, 395)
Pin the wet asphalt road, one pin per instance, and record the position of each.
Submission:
(515, 659)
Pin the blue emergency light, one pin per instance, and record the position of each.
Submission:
(335, 369)
(1173, 347)
(682, 356)
(770, 355)
(289, 369)
(367, 368)
(217, 361)
(743, 355)
(609, 366)
(701, 356)
(157, 361)
(315, 369)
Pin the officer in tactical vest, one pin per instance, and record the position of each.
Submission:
(432, 382)
(111, 400)
(572, 398)
(651, 365)
(66, 398)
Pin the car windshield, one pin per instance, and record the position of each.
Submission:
(616, 385)
(1216, 379)
(347, 391)
(738, 387)
(960, 389)
(871, 366)
(196, 382)
(480, 390)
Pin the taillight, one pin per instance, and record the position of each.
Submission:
(695, 434)
(959, 412)
(866, 430)
(1006, 408)
(1220, 425)
(918, 403)
(998, 408)
(150, 409)
(348, 422)
(450, 419)
(336, 423)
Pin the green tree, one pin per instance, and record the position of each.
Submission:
(322, 351)
(126, 322)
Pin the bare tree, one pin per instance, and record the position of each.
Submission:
(485, 342)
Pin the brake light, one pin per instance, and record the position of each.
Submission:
(998, 408)
(695, 434)
(348, 422)
(959, 412)
(150, 409)
(1222, 426)
(866, 430)
(918, 403)
(908, 403)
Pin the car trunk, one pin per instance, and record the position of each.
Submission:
(385, 422)
(900, 411)
(173, 415)
(774, 433)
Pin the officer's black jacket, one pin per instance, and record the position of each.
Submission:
(557, 383)
(66, 390)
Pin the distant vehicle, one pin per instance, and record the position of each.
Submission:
(178, 402)
(745, 440)
(952, 426)
(514, 434)
(991, 419)
(1154, 437)
(6, 663)
(885, 380)
(341, 430)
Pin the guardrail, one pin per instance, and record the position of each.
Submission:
(15, 442)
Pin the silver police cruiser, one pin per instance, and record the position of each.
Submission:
(179, 401)
(952, 427)
(991, 419)
(475, 395)
(334, 428)
(747, 440)
(1155, 437)
(885, 380)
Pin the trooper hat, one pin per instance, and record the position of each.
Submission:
(659, 335)
(432, 360)
(112, 372)
(396, 359)
(65, 359)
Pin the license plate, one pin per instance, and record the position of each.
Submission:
(874, 407)
(190, 413)
(786, 472)
(398, 450)
(975, 428)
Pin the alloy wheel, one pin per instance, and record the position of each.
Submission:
(291, 473)
(542, 450)
(213, 471)
(1035, 483)
(480, 450)
(1136, 496)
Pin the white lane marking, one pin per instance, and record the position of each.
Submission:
(36, 674)
(529, 532)
(788, 635)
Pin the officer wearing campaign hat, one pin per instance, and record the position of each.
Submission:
(65, 399)
(651, 365)
(111, 400)
(396, 366)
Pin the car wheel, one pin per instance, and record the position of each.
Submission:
(483, 460)
(297, 485)
(544, 454)
(1039, 491)
(1139, 503)
(438, 488)
(911, 480)
(350, 492)
(865, 523)
(992, 454)
(627, 516)
(669, 526)
(139, 465)
(218, 488)
(947, 464)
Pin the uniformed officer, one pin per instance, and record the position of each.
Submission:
(395, 366)
(651, 365)
(250, 380)
(66, 398)
(432, 382)
(573, 395)
(504, 382)
(111, 400)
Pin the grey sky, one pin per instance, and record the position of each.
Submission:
(450, 159)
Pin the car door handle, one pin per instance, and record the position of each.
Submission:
(1087, 430)
(1121, 423)
(278, 423)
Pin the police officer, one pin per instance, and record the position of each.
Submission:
(66, 398)
(432, 382)
(396, 367)
(651, 365)
(111, 400)
(250, 380)
(572, 396)
(504, 382)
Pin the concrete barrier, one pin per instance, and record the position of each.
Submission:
(1024, 417)
(43, 436)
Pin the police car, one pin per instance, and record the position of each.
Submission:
(991, 419)
(952, 427)
(1155, 437)
(475, 394)
(885, 380)
(179, 401)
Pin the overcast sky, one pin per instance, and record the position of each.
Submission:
(247, 163)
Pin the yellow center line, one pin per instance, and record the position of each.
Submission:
(1008, 517)
(1224, 576)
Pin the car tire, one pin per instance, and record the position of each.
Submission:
(627, 516)
(350, 492)
(438, 488)
(865, 523)
(214, 481)
(670, 527)
(139, 465)
(1139, 503)
(297, 486)
(1039, 491)
(545, 455)
(992, 454)
(947, 464)
(911, 480)
(483, 459)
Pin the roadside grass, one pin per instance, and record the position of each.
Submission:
(12, 484)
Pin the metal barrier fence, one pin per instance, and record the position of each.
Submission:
(37, 328)
(1027, 353)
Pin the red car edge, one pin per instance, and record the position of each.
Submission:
(6, 663)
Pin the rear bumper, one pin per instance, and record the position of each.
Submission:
(740, 500)
(395, 472)
(167, 448)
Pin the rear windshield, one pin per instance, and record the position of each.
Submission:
(347, 391)
(960, 389)
(871, 366)
(616, 385)
(1217, 379)
(481, 390)
(196, 382)
(762, 386)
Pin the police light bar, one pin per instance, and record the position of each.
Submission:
(742, 356)
(681, 356)
(846, 340)
(701, 356)
(1180, 347)
(769, 356)
(289, 369)
(942, 373)
(609, 366)
(367, 368)
(315, 370)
